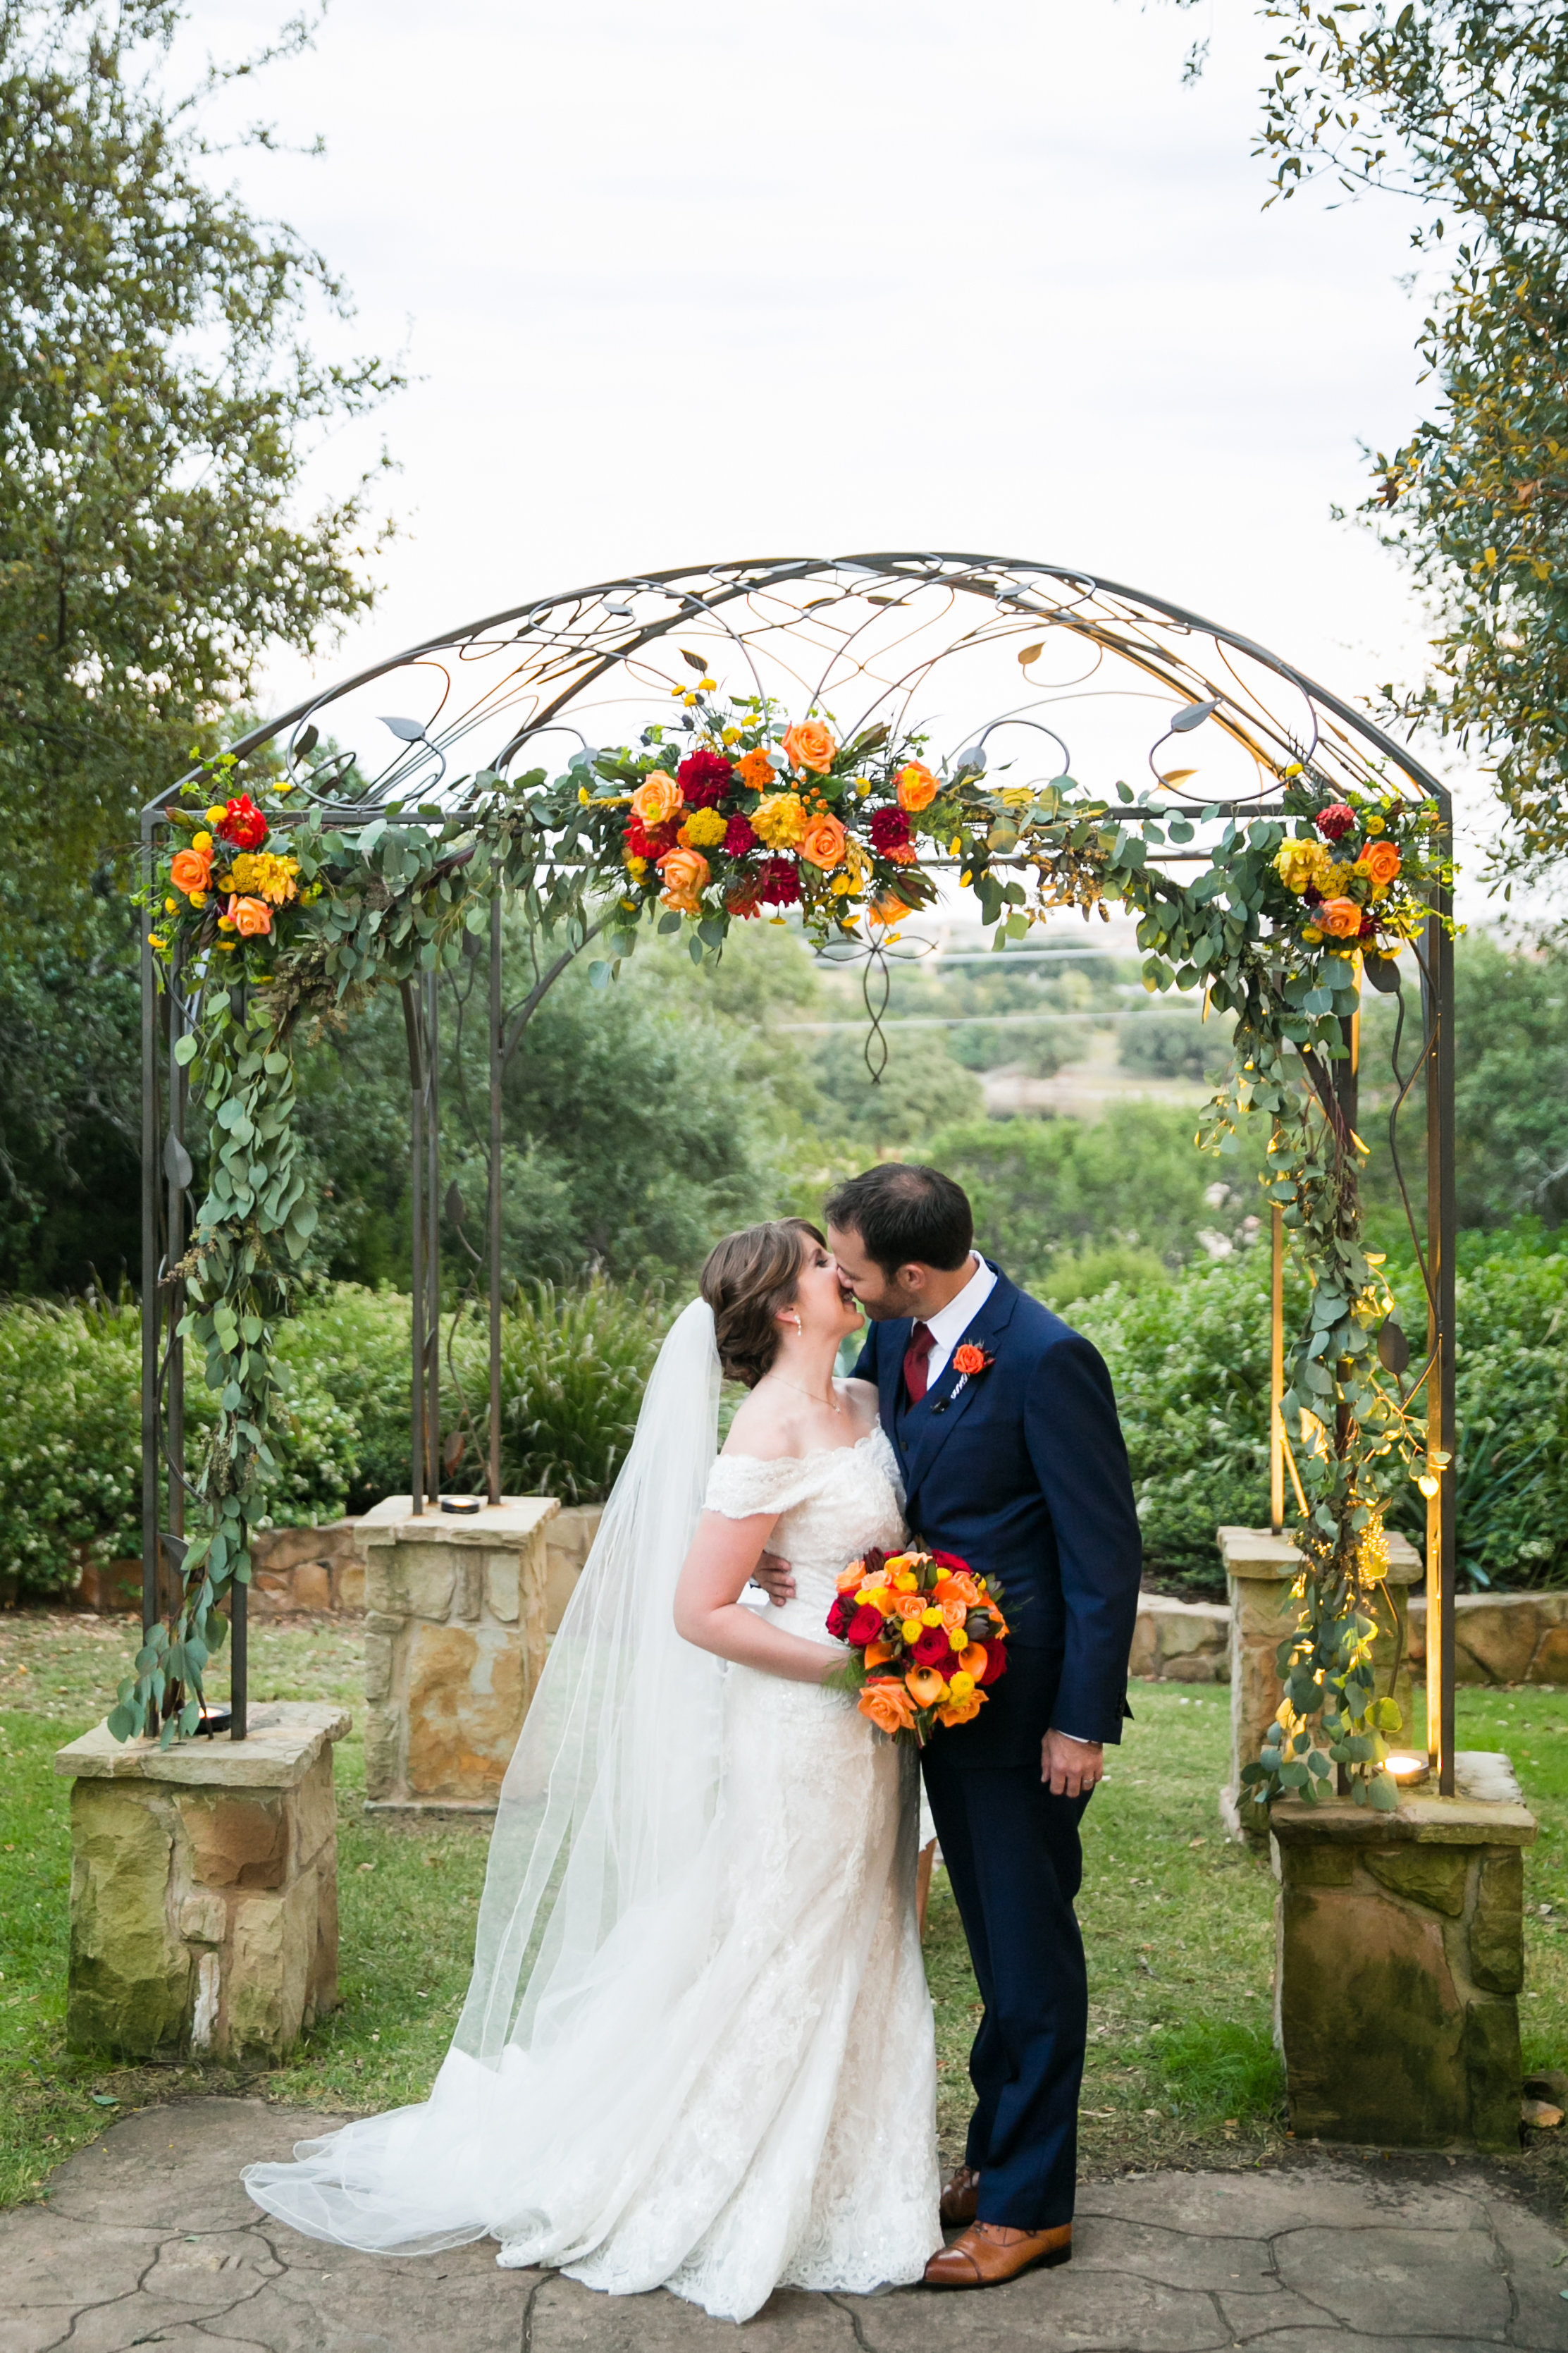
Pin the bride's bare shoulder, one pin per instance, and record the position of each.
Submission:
(764, 1429)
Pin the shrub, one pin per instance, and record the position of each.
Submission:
(573, 1367)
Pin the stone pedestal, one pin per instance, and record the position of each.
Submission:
(1260, 1569)
(569, 1540)
(455, 1640)
(203, 1904)
(1400, 1956)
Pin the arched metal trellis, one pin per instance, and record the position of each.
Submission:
(1002, 658)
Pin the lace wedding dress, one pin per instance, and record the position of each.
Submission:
(733, 2087)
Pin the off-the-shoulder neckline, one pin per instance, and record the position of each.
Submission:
(814, 1454)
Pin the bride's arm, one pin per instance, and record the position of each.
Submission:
(708, 1611)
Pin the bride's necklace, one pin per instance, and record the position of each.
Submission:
(831, 1403)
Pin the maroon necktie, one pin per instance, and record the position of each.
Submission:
(923, 1340)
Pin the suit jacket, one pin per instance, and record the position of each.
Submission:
(1022, 1472)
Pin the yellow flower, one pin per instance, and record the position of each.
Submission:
(202, 840)
(156, 940)
(198, 898)
(704, 830)
(262, 874)
(228, 946)
(780, 820)
(1312, 934)
(636, 868)
(842, 886)
(1373, 823)
(1298, 863)
(216, 814)
(171, 907)
(730, 735)
(583, 796)
(706, 685)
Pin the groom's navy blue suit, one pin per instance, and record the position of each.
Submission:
(1022, 1472)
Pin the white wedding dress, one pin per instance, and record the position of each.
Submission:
(722, 2078)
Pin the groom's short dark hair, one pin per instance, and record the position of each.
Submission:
(905, 1215)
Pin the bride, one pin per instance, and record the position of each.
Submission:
(697, 2050)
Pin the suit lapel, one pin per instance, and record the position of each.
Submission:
(932, 1424)
(890, 1373)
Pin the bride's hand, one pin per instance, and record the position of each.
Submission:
(777, 1578)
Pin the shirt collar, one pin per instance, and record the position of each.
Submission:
(949, 1324)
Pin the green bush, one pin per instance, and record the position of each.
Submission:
(573, 1367)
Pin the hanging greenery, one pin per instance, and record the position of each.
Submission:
(270, 917)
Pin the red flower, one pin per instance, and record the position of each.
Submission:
(243, 824)
(995, 1663)
(889, 829)
(1312, 895)
(841, 1616)
(969, 1360)
(781, 882)
(739, 837)
(950, 1562)
(865, 1626)
(1336, 821)
(935, 1648)
(872, 1563)
(650, 841)
(705, 777)
(1368, 925)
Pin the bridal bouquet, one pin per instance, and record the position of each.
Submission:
(925, 1636)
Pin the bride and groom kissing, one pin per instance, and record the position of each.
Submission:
(697, 2050)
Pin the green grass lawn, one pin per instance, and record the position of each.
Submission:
(1178, 1922)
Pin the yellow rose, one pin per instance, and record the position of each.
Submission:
(780, 820)
(704, 830)
(1373, 823)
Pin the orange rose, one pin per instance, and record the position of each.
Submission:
(910, 1605)
(824, 843)
(658, 800)
(954, 1612)
(809, 744)
(251, 917)
(848, 1579)
(1341, 918)
(972, 1660)
(962, 1711)
(889, 1706)
(924, 1686)
(959, 1586)
(1381, 860)
(969, 1360)
(686, 876)
(756, 771)
(192, 870)
(917, 786)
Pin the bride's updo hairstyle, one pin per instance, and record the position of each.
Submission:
(749, 1278)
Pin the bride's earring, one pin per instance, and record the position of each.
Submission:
(795, 1321)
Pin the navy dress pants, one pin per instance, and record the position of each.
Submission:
(1014, 1861)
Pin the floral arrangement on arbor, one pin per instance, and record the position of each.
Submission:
(748, 813)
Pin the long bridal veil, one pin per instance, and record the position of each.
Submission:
(605, 1805)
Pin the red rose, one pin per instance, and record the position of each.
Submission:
(935, 1648)
(995, 1663)
(889, 829)
(865, 1626)
(950, 1562)
(705, 777)
(781, 882)
(739, 837)
(243, 824)
(841, 1616)
(650, 841)
(1336, 821)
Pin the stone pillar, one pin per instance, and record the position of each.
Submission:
(455, 1641)
(570, 1541)
(1260, 1569)
(1400, 1953)
(203, 1903)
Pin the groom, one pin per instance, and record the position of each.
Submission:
(1019, 1468)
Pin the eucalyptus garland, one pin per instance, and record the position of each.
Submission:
(744, 813)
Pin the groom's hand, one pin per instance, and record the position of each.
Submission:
(1071, 1769)
(777, 1578)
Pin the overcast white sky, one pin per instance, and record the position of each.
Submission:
(765, 276)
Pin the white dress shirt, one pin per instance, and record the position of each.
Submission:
(949, 1324)
(947, 1328)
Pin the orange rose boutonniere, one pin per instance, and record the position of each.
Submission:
(969, 1361)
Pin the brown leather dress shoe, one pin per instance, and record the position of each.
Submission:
(960, 2195)
(989, 2252)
